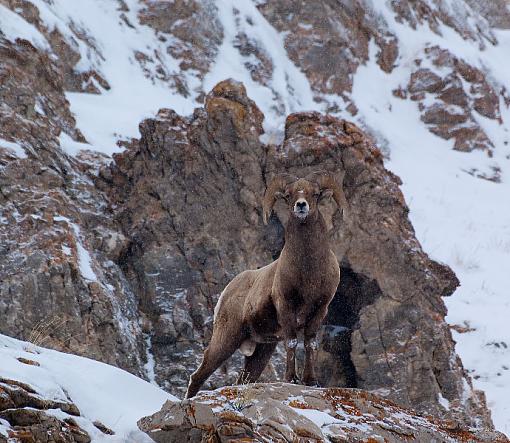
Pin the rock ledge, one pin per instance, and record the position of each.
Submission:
(291, 413)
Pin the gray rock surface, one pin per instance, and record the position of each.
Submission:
(288, 413)
(60, 282)
(30, 417)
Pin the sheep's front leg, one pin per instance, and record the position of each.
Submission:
(290, 372)
(309, 377)
(311, 346)
(288, 325)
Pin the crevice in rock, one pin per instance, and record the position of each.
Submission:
(335, 366)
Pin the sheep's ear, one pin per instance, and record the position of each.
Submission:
(326, 193)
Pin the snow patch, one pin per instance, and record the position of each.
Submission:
(150, 365)
(71, 147)
(13, 26)
(84, 259)
(14, 148)
(319, 418)
(102, 392)
(443, 401)
(4, 427)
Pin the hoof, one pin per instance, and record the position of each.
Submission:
(294, 380)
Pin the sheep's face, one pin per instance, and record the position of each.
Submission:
(302, 198)
(302, 194)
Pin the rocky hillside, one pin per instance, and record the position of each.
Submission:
(122, 258)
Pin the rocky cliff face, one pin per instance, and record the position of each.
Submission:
(123, 260)
(52, 290)
(188, 197)
(185, 218)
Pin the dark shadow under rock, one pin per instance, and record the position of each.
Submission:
(334, 364)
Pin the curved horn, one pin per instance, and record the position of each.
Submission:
(278, 184)
(326, 180)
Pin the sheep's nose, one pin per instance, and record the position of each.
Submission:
(301, 206)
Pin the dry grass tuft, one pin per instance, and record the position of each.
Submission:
(42, 331)
(239, 399)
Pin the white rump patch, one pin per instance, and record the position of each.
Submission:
(247, 347)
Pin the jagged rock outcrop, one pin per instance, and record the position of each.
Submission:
(448, 102)
(187, 195)
(31, 418)
(283, 412)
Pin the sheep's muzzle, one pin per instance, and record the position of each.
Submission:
(301, 208)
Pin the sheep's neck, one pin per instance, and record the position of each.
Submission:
(307, 239)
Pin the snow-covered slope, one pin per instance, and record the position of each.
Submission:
(101, 392)
(460, 219)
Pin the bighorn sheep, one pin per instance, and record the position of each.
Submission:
(260, 307)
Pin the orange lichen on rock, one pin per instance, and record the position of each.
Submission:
(299, 404)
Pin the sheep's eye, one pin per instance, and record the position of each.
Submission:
(316, 194)
(286, 196)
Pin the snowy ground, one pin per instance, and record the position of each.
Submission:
(101, 392)
(460, 220)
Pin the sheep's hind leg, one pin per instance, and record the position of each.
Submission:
(255, 363)
(216, 353)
